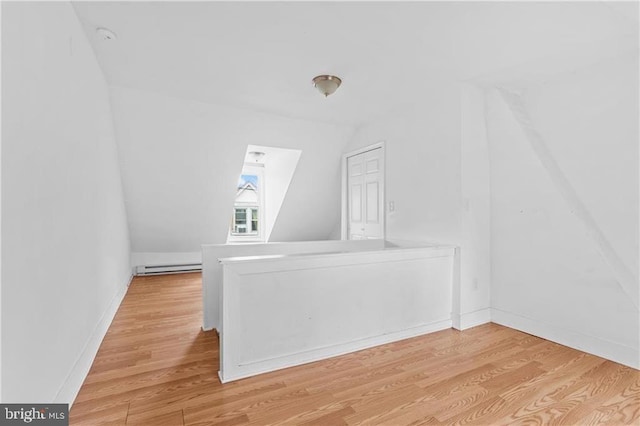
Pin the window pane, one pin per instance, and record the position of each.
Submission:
(252, 180)
(240, 221)
(254, 220)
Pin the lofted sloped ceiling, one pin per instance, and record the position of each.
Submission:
(263, 55)
(193, 83)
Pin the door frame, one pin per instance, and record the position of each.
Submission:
(344, 228)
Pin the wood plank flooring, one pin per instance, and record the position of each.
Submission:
(156, 367)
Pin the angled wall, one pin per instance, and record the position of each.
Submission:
(180, 161)
(564, 209)
(65, 246)
(279, 168)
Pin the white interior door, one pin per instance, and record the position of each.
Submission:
(365, 195)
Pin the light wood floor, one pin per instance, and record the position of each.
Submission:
(156, 367)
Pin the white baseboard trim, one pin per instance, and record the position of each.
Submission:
(72, 384)
(471, 319)
(594, 345)
(291, 360)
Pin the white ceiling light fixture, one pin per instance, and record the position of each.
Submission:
(327, 84)
(106, 34)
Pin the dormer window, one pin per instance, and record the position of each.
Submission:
(261, 188)
(248, 209)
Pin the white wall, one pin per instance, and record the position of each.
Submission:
(430, 165)
(474, 286)
(422, 157)
(65, 257)
(528, 257)
(564, 209)
(180, 161)
(279, 169)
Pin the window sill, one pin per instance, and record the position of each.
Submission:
(235, 239)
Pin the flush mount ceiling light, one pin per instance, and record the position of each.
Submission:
(327, 84)
(106, 34)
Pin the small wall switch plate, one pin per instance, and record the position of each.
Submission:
(392, 206)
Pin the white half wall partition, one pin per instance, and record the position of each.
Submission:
(280, 311)
(212, 269)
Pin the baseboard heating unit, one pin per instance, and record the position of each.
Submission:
(168, 269)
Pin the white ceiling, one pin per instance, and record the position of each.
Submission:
(263, 55)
